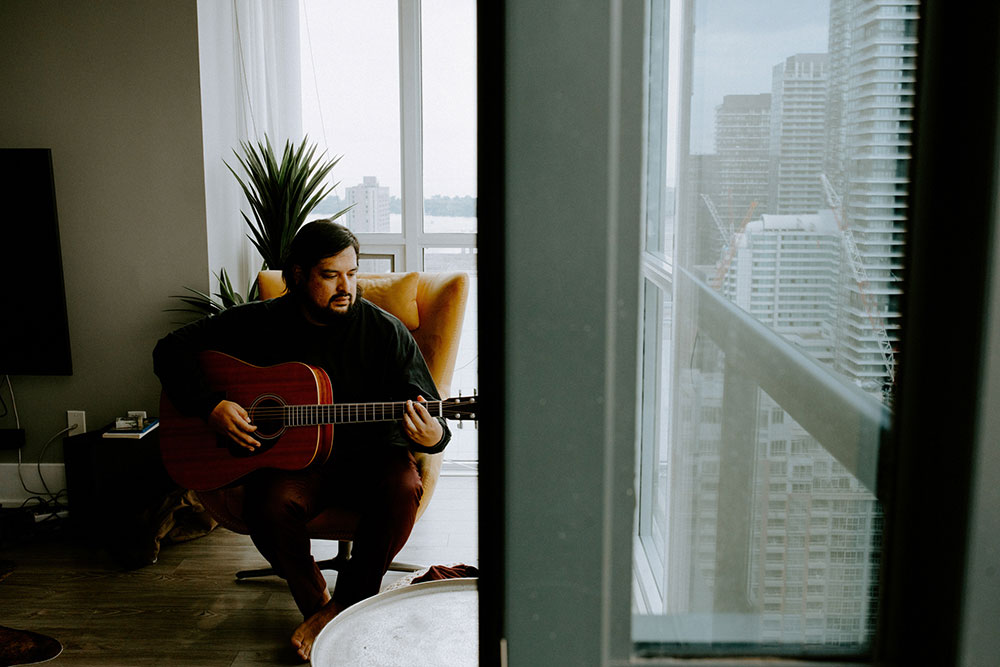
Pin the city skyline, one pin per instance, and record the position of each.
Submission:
(797, 216)
(845, 111)
(736, 56)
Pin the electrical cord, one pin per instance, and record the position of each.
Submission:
(13, 402)
(39, 502)
(17, 420)
(468, 363)
(3, 403)
(38, 463)
(50, 506)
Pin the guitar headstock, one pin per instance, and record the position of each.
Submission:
(462, 408)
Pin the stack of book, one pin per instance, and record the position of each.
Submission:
(131, 427)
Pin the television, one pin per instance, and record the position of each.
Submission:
(34, 327)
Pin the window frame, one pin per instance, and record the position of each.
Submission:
(407, 247)
(915, 578)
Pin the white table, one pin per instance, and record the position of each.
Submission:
(431, 624)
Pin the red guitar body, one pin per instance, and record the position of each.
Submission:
(196, 457)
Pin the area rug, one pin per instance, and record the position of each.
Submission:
(23, 647)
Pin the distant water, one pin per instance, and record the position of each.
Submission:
(433, 224)
(438, 224)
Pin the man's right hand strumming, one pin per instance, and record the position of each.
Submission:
(232, 420)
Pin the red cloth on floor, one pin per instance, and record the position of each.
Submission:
(436, 572)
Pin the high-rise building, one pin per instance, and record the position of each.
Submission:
(873, 50)
(742, 139)
(784, 270)
(369, 206)
(815, 527)
(798, 134)
(825, 277)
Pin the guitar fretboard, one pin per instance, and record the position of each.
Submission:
(353, 413)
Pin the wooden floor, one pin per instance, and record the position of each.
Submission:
(187, 609)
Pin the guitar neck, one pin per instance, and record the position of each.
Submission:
(352, 413)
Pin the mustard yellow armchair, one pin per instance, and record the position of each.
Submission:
(432, 306)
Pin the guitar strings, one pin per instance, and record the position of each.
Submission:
(446, 406)
(362, 406)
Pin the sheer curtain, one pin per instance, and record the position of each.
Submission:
(250, 87)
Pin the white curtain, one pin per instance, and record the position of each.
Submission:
(250, 86)
(266, 46)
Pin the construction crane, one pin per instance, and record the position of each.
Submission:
(836, 204)
(725, 233)
(729, 252)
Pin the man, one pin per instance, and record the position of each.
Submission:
(370, 356)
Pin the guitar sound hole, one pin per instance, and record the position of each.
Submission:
(267, 415)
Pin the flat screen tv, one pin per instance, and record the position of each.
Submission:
(34, 328)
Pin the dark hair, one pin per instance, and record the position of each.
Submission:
(314, 241)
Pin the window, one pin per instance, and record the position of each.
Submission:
(351, 105)
(390, 86)
(774, 226)
(566, 85)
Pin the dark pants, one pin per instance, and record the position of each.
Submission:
(381, 484)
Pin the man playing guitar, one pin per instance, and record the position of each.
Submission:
(369, 356)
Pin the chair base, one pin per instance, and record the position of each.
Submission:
(335, 563)
(329, 564)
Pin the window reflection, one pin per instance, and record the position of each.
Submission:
(787, 167)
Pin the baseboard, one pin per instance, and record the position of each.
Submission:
(13, 493)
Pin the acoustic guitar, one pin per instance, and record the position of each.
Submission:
(291, 405)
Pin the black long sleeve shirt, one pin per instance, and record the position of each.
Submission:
(369, 355)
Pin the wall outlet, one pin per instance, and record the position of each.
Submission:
(76, 420)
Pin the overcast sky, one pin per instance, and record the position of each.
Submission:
(350, 56)
(736, 45)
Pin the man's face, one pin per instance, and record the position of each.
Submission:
(331, 287)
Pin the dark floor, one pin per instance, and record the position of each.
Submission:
(187, 609)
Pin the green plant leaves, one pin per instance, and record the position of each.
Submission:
(281, 193)
(202, 304)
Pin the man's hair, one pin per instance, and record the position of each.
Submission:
(315, 241)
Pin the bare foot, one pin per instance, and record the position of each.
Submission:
(305, 634)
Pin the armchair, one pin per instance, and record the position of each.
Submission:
(432, 306)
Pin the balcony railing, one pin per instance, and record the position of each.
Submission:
(847, 421)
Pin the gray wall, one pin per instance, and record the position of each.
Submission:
(573, 141)
(113, 89)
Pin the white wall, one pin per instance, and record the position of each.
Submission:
(112, 88)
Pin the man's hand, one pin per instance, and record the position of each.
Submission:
(232, 420)
(420, 427)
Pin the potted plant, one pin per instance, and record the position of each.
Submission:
(281, 194)
(201, 304)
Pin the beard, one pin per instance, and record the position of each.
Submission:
(326, 315)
